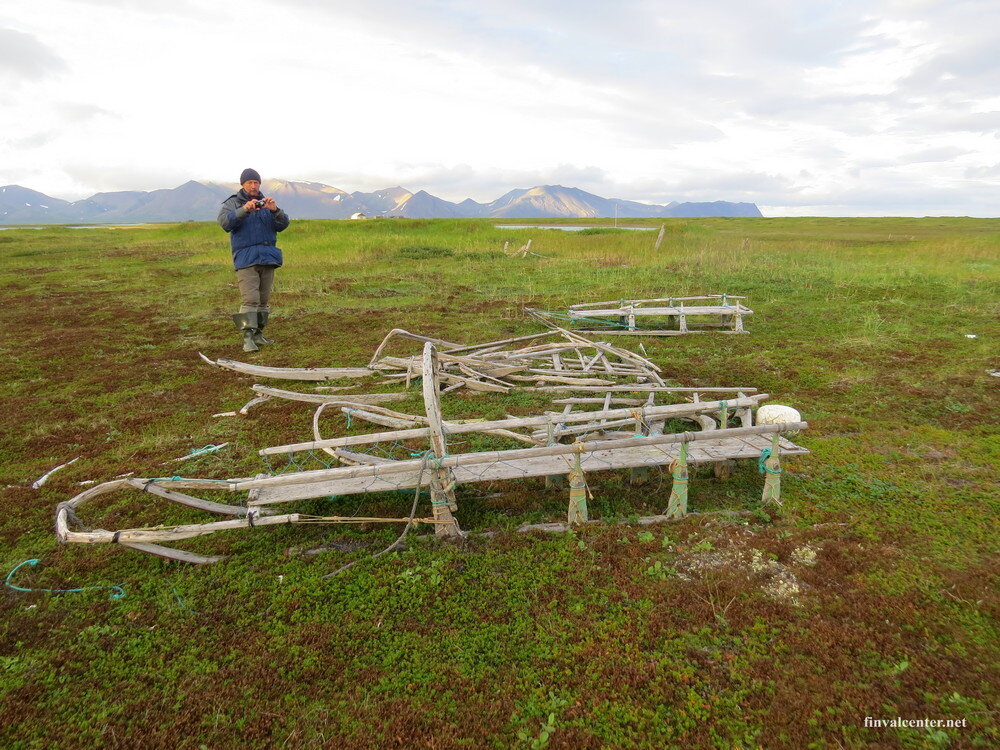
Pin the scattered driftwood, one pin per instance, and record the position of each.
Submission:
(675, 315)
(557, 357)
(198, 452)
(355, 399)
(45, 477)
(289, 373)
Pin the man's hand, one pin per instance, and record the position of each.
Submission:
(250, 205)
(270, 205)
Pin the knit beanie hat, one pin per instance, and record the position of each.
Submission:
(249, 174)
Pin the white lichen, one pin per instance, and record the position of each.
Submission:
(784, 587)
(804, 556)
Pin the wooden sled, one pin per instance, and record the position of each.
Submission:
(669, 316)
(440, 470)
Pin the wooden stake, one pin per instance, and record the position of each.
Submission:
(442, 480)
(772, 474)
(578, 491)
(677, 505)
(659, 237)
(553, 481)
(639, 474)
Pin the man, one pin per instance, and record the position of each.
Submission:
(253, 222)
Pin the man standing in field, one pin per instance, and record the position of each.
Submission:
(253, 222)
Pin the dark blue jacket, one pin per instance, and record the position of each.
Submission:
(252, 234)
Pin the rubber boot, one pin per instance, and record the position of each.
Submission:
(258, 337)
(247, 323)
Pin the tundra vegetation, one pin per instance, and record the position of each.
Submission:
(871, 592)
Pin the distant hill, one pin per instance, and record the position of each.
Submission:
(557, 201)
(715, 208)
(20, 205)
(199, 201)
(383, 201)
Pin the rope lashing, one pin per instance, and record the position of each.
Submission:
(573, 318)
(117, 592)
(678, 500)
(71, 515)
(184, 479)
(349, 412)
(762, 465)
(440, 491)
(639, 415)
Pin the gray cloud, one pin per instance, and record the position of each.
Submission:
(77, 112)
(945, 121)
(748, 187)
(637, 48)
(23, 57)
(943, 153)
(175, 8)
(902, 199)
(35, 140)
(114, 177)
(984, 172)
(680, 74)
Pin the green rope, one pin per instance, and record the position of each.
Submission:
(187, 479)
(762, 466)
(180, 602)
(117, 592)
(207, 449)
(571, 319)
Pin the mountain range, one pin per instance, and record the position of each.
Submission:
(199, 201)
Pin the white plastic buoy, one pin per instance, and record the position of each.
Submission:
(778, 414)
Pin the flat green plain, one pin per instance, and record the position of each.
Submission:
(881, 332)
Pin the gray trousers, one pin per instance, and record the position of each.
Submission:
(255, 284)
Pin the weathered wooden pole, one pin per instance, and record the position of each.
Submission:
(553, 481)
(640, 474)
(659, 237)
(442, 479)
(577, 493)
(770, 467)
(678, 503)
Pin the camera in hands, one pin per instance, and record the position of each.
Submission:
(260, 203)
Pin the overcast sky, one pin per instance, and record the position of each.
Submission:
(873, 107)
